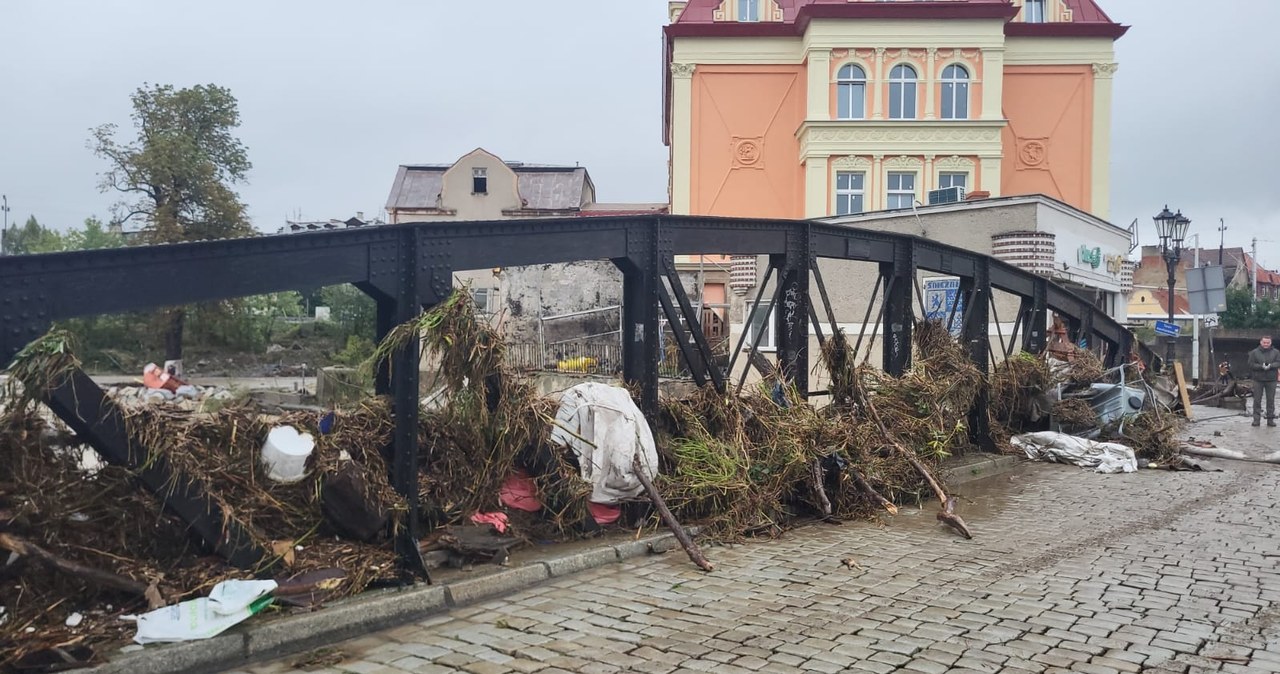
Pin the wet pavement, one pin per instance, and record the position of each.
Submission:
(1068, 571)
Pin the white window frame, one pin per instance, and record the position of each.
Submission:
(484, 307)
(769, 341)
(957, 90)
(846, 85)
(899, 88)
(478, 174)
(944, 175)
(1034, 11)
(749, 11)
(849, 193)
(891, 193)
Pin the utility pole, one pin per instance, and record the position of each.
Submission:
(1254, 253)
(1222, 229)
(1195, 326)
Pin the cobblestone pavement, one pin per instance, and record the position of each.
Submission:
(1069, 571)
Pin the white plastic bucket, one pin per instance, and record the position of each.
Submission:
(285, 453)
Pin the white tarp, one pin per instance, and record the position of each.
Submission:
(1103, 457)
(603, 426)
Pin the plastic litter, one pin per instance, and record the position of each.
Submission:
(1103, 457)
(75, 619)
(285, 453)
(230, 603)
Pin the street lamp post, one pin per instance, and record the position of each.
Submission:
(4, 229)
(1172, 230)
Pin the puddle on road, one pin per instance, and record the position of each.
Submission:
(984, 498)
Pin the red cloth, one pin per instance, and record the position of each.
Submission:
(604, 513)
(520, 492)
(498, 520)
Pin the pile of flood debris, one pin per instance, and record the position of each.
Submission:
(500, 466)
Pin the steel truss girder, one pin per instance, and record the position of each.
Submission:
(409, 266)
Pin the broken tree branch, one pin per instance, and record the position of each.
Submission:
(861, 483)
(947, 514)
(687, 543)
(815, 470)
(86, 573)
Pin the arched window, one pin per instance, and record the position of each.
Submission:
(902, 92)
(851, 92)
(955, 92)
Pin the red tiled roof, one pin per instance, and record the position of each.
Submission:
(1086, 14)
(1087, 11)
(1181, 305)
(699, 15)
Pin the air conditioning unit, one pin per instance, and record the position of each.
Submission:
(947, 195)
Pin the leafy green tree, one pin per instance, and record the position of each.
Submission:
(177, 174)
(94, 236)
(32, 238)
(355, 311)
(1243, 313)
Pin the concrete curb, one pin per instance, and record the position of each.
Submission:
(256, 641)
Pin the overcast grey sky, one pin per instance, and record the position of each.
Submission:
(335, 94)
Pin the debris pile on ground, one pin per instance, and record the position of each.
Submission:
(138, 396)
(1152, 433)
(492, 472)
(87, 541)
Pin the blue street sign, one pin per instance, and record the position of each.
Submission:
(1167, 329)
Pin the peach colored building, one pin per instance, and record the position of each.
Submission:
(814, 108)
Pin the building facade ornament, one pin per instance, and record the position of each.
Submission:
(748, 152)
(903, 162)
(955, 163)
(1105, 70)
(1033, 153)
(683, 70)
(851, 163)
(900, 135)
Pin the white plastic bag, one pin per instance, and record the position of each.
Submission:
(1103, 457)
(229, 603)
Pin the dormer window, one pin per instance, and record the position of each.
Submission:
(479, 181)
(1033, 11)
(749, 10)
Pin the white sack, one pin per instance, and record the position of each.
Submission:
(1103, 457)
(603, 426)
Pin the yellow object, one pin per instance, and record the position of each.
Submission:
(581, 364)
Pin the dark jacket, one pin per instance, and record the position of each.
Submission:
(1259, 359)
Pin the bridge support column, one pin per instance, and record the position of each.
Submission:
(414, 276)
(975, 329)
(1035, 318)
(640, 345)
(791, 320)
(898, 316)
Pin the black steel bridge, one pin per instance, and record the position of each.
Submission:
(408, 267)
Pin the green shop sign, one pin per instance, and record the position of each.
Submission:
(1090, 256)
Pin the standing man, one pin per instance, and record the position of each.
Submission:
(1264, 367)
